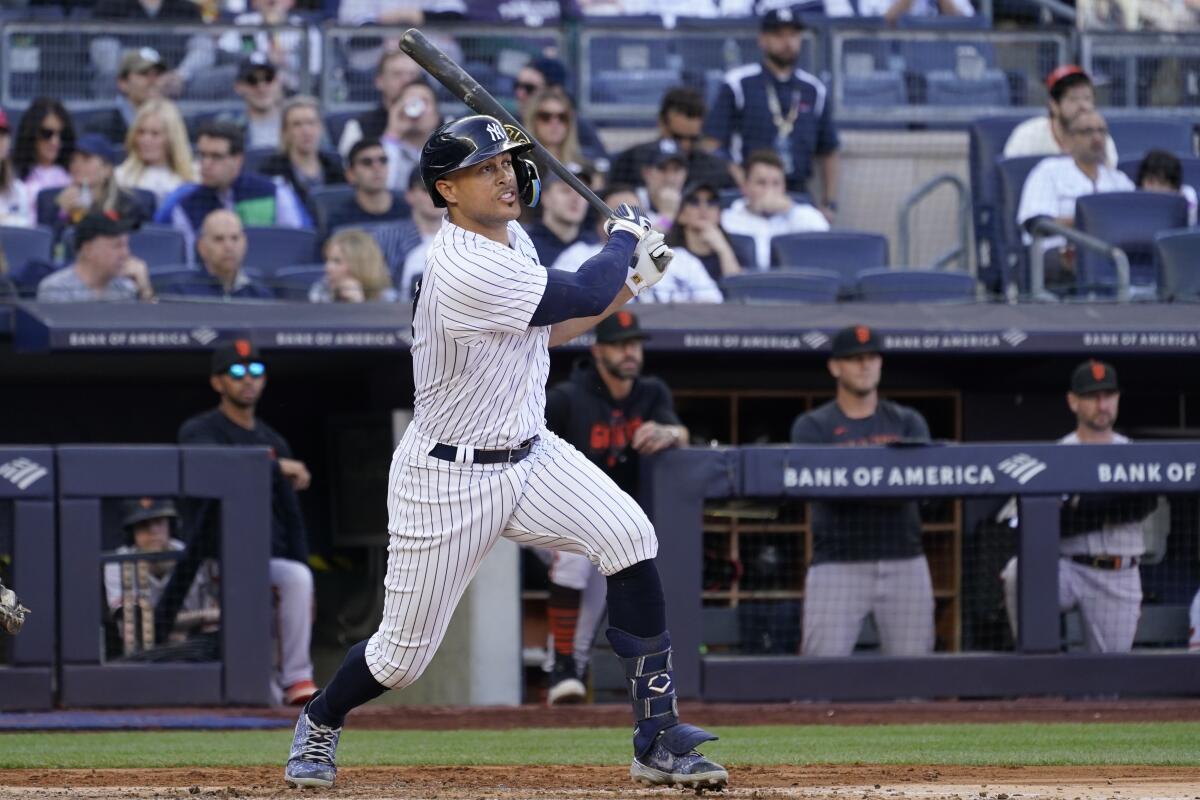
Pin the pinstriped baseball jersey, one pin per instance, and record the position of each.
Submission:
(480, 370)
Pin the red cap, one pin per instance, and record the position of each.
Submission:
(3, 119)
(1066, 70)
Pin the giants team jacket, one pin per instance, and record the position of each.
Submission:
(582, 411)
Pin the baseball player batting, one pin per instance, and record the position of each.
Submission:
(477, 462)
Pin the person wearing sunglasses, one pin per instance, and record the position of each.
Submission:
(372, 201)
(45, 141)
(238, 376)
(540, 74)
(697, 232)
(139, 80)
(411, 120)
(551, 121)
(261, 91)
(14, 196)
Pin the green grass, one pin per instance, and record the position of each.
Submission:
(1165, 744)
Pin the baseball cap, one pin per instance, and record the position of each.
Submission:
(143, 59)
(255, 62)
(855, 340)
(93, 144)
(239, 351)
(553, 70)
(1094, 376)
(1065, 71)
(663, 151)
(620, 327)
(779, 18)
(146, 508)
(101, 223)
(692, 188)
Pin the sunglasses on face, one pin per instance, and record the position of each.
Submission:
(208, 155)
(371, 161)
(255, 369)
(551, 116)
(683, 137)
(46, 134)
(699, 202)
(254, 79)
(528, 88)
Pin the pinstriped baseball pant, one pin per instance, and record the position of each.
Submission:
(444, 518)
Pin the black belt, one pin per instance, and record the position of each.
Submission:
(448, 452)
(1106, 562)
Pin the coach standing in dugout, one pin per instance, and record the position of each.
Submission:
(778, 106)
(612, 414)
(867, 555)
(1102, 538)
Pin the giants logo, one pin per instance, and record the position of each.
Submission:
(610, 438)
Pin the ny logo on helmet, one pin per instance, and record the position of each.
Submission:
(496, 132)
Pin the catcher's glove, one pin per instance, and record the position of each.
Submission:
(12, 613)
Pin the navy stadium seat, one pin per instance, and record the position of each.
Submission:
(915, 286)
(945, 88)
(168, 281)
(744, 248)
(1134, 136)
(255, 156)
(1130, 221)
(987, 137)
(23, 245)
(158, 245)
(883, 88)
(1012, 256)
(47, 210)
(1190, 164)
(843, 253)
(294, 283)
(335, 123)
(323, 198)
(271, 248)
(1177, 254)
(809, 286)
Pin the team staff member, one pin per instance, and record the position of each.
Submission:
(867, 556)
(612, 414)
(239, 377)
(478, 463)
(1102, 538)
(777, 106)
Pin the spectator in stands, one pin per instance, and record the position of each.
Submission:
(685, 282)
(367, 172)
(680, 117)
(1069, 91)
(354, 271)
(284, 49)
(1161, 171)
(148, 10)
(300, 160)
(561, 221)
(893, 10)
(1056, 182)
(1101, 536)
(866, 556)
(256, 200)
(411, 120)
(222, 251)
(663, 175)
(548, 73)
(148, 525)
(103, 268)
(93, 187)
(404, 243)
(45, 141)
(200, 52)
(697, 233)
(395, 71)
(381, 12)
(139, 80)
(261, 91)
(551, 121)
(768, 210)
(239, 376)
(159, 156)
(15, 204)
(777, 106)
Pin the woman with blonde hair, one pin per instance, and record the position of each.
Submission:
(159, 156)
(300, 160)
(355, 271)
(551, 120)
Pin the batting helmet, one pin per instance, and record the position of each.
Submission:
(472, 140)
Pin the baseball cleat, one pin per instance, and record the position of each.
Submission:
(312, 761)
(565, 685)
(661, 767)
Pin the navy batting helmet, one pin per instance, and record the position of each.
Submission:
(472, 140)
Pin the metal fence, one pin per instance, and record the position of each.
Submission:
(1142, 70)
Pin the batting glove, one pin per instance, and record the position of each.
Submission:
(652, 257)
(630, 219)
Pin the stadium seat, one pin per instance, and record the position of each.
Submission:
(1130, 221)
(168, 281)
(743, 248)
(1012, 256)
(294, 283)
(323, 198)
(23, 245)
(1177, 255)
(987, 137)
(47, 210)
(843, 253)
(158, 245)
(808, 286)
(335, 123)
(1190, 164)
(1134, 136)
(883, 88)
(271, 248)
(945, 88)
(642, 87)
(255, 156)
(915, 286)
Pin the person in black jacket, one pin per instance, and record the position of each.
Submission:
(239, 376)
(614, 415)
(300, 160)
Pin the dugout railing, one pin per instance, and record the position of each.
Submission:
(1038, 475)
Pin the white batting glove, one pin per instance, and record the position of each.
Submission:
(651, 262)
(630, 219)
